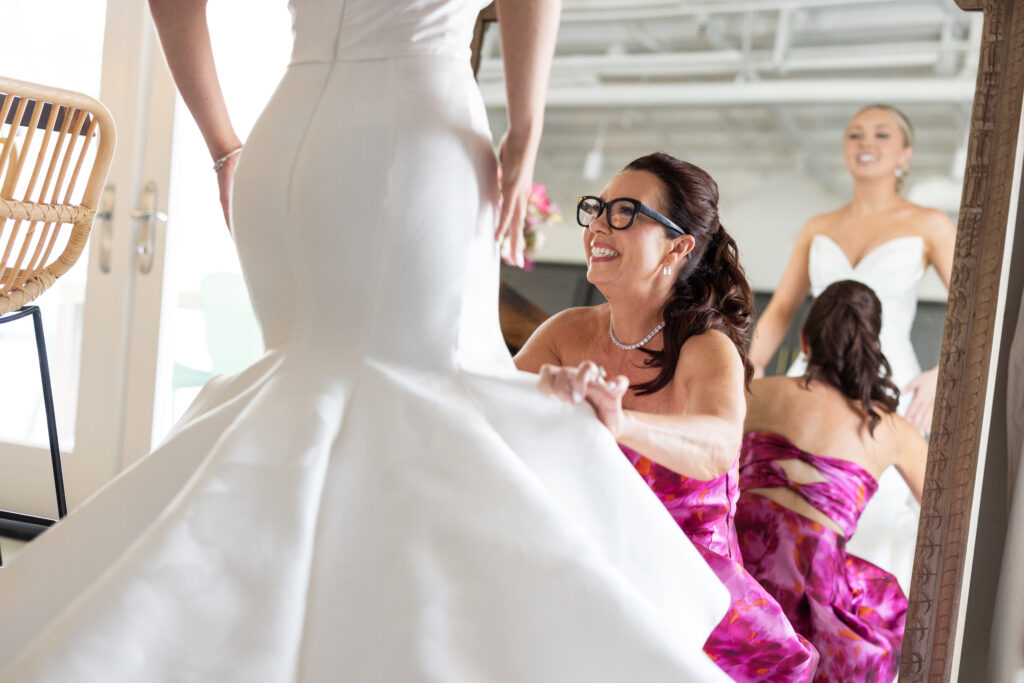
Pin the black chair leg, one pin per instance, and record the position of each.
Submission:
(51, 419)
(15, 524)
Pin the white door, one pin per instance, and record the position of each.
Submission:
(131, 308)
(105, 49)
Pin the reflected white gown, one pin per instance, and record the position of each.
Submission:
(382, 497)
(887, 530)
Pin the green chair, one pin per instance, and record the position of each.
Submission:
(233, 336)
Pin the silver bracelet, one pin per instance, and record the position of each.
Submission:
(219, 163)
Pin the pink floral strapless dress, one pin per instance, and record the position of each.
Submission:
(851, 610)
(754, 641)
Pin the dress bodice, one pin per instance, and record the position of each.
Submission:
(893, 269)
(331, 30)
(703, 509)
(842, 496)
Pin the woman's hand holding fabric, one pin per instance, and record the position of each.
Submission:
(588, 382)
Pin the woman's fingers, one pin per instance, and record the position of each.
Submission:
(919, 413)
(558, 381)
(225, 178)
(922, 405)
(586, 374)
(515, 178)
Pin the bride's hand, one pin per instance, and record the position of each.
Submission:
(516, 157)
(587, 382)
(922, 405)
(225, 177)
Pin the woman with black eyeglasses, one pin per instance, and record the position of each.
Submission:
(664, 366)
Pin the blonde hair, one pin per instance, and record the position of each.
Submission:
(905, 127)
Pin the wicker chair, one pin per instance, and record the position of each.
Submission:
(50, 139)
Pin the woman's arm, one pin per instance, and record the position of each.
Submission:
(912, 456)
(185, 38)
(779, 313)
(528, 31)
(940, 243)
(701, 442)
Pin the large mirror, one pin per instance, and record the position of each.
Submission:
(759, 94)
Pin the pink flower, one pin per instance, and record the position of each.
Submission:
(539, 199)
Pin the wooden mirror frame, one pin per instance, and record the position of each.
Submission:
(937, 588)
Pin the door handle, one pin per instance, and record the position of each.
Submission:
(147, 216)
(106, 216)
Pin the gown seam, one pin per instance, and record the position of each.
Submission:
(313, 110)
(359, 378)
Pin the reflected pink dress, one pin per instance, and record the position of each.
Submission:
(754, 641)
(852, 611)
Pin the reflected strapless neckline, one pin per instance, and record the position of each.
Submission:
(870, 252)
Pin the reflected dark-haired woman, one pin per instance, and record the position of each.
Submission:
(663, 364)
(814, 449)
(887, 242)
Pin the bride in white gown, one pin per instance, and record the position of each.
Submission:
(886, 242)
(382, 497)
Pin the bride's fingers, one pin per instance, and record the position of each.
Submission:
(512, 225)
(916, 414)
(515, 245)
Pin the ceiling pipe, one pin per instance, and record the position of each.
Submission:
(590, 68)
(810, 91)
(592, 10)
(811, 153)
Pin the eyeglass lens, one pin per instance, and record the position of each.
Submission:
(620, 213)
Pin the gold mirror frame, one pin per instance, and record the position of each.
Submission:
(942, 542)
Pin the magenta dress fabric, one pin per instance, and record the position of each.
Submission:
(754, 641)
(852, 611)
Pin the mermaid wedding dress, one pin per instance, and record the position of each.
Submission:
(382, 497)
(887, 528)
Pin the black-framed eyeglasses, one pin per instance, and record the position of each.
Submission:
(621, 212)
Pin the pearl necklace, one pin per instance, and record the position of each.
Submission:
(630, 347)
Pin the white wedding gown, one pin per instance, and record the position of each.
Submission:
(887, 530)
(382, 497)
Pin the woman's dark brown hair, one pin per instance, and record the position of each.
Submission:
(842, 337)
(711, 290)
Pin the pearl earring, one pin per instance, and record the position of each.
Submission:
(898, 172)
(666, 270)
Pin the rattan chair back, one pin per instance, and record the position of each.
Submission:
(50, 140)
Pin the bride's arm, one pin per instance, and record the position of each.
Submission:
(941, 243)
(185, 38)
(911, 457)
(528, 31)
(778, 315)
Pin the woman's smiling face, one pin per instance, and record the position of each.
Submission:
(874, 145)
(637, 253)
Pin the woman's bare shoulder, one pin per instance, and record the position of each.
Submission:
(775, 385)
(710, 342)
(567, 325)
(930, 223)
(898, 435)
(822, 223)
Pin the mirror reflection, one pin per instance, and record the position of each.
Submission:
(815, 186)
